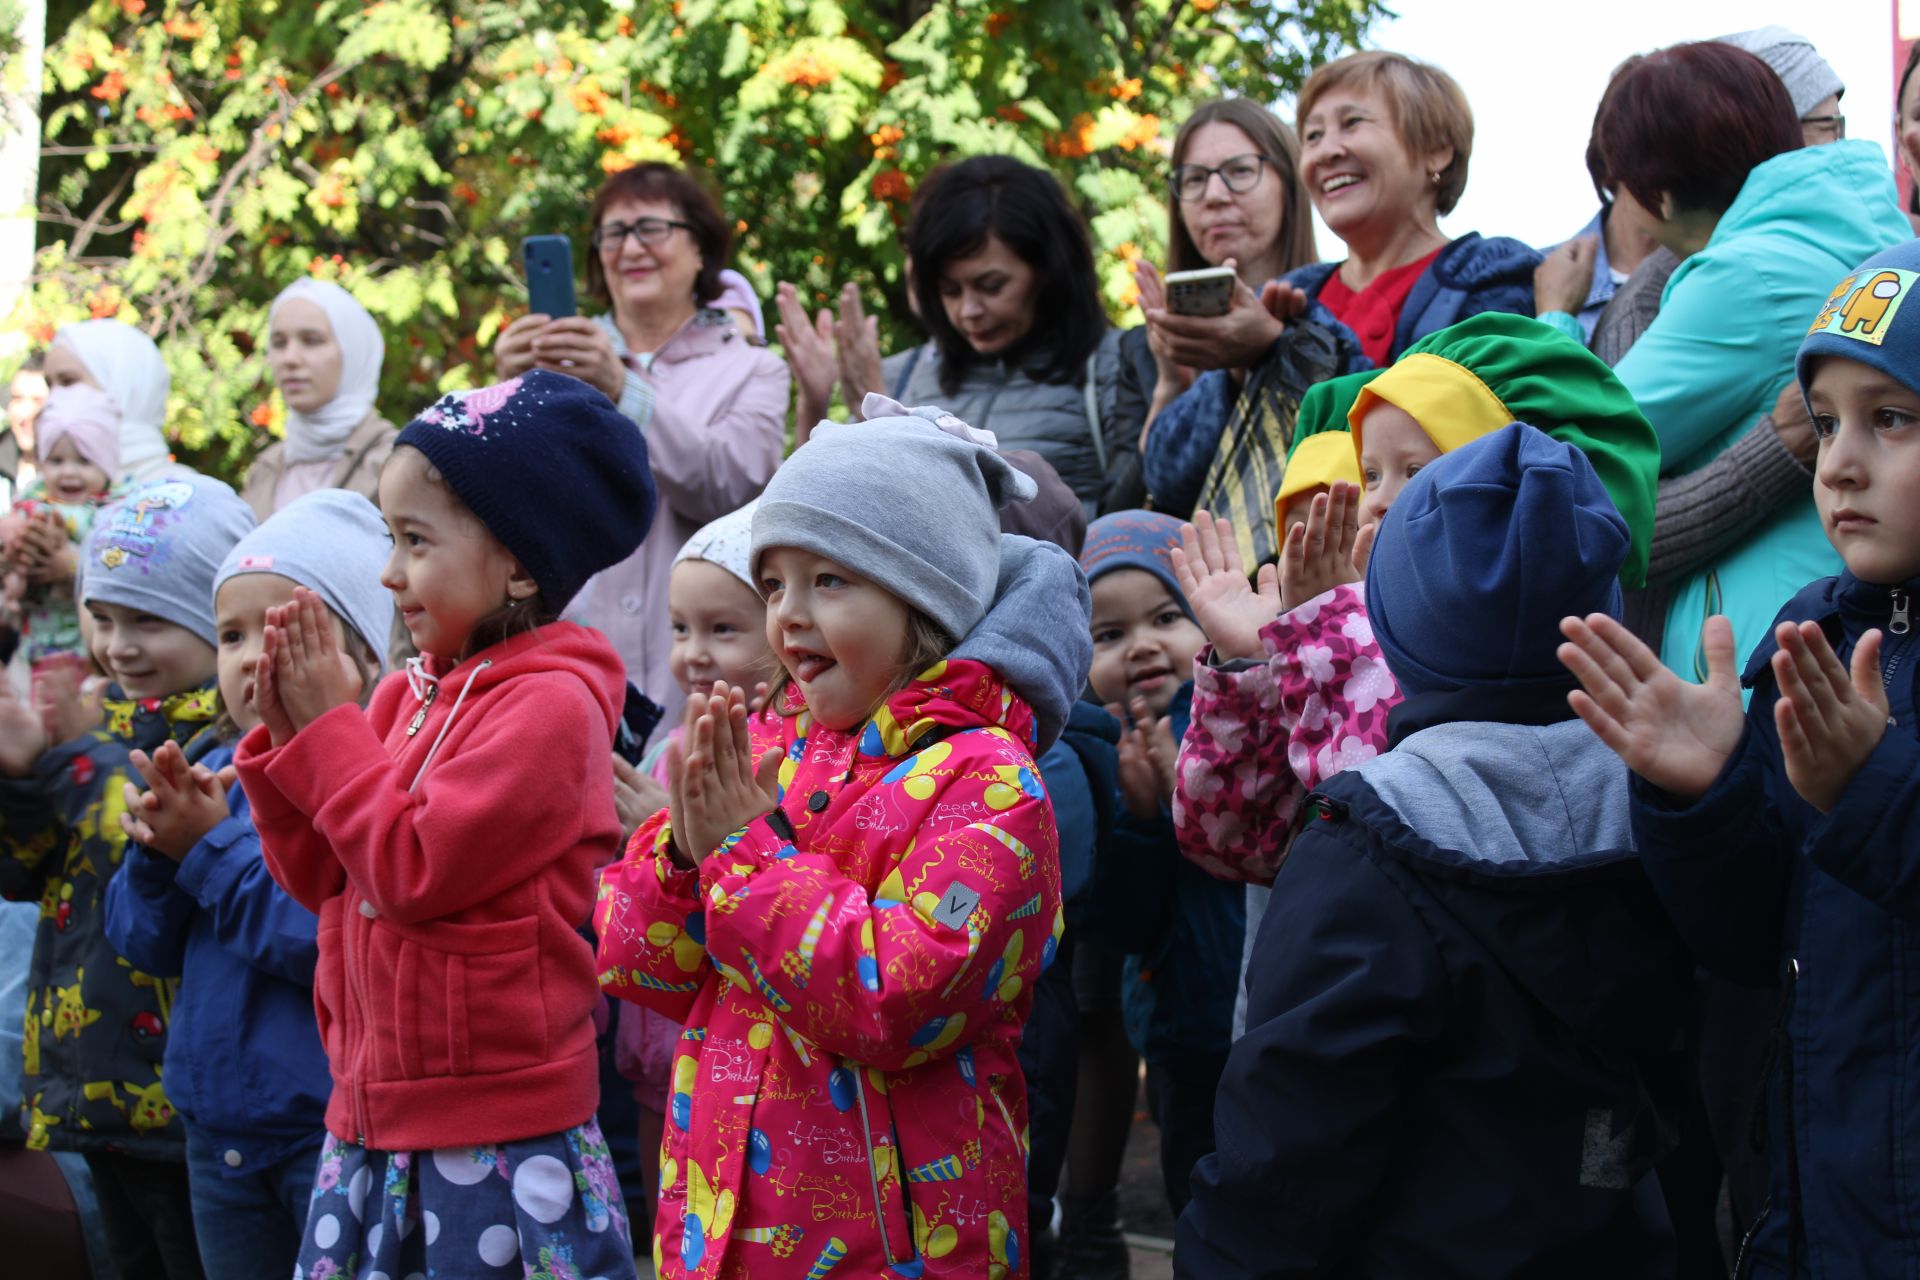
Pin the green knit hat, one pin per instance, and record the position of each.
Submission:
(1326, 404)
(1551, 382)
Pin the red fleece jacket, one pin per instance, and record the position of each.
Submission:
(454, 992)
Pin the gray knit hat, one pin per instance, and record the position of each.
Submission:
(1808, 78)
(907, 499)
(334, 543)
(158, 548)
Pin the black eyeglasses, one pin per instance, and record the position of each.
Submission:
(648, 230)
(1832, 128)
(1240, 174)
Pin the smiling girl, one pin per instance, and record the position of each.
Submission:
(850, 928)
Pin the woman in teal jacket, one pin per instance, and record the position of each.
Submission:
(1703, 143)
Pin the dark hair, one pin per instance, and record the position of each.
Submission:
(1271, 138)
(1597, 163)
(712, 233)
(1691, 122)
(1906, 74)
(36, 362)
(954, 212)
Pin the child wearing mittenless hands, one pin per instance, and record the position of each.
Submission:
(1783, 839)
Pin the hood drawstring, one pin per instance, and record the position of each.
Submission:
(424, 686)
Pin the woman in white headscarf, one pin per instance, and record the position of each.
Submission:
(123, 362)
(325, 354)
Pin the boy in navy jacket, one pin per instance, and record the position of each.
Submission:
(1783, 841)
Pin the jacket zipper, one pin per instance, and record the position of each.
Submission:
(873, 1173)
(1899, 624)
(420, 716)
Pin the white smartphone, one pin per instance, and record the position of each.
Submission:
(1206, 292)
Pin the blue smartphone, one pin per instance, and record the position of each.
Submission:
(549, 264)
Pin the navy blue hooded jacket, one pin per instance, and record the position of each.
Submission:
(1474, 274)
(1767, 890)
(244, 1062)
(1462, 1002)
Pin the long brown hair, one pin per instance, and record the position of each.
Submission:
(1273, 139)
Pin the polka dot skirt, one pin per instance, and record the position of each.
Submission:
(539, 1209)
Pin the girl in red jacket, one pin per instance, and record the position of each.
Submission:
(851, 932)
(447, 838)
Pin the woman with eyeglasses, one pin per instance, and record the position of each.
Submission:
(1384, 145)
(711, 403)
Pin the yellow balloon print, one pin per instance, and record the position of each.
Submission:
(686, 952)
(1010, 985)
(917, 783)
(760, 1036)
(936, 1242)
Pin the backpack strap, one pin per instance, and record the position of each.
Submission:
(1093, 411)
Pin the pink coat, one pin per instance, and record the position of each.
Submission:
(1263, 737)
(715, 433)
(846, 1092)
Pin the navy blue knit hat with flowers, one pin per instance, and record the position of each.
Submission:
(552, 469)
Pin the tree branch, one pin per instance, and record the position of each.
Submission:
(91, 226)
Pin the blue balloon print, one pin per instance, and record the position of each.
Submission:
(1013, 1250)
(759, 1151)
(965, 1059)
(911, 1269)
(929, 1033)
(840, 1088)
(696, 927)
(869, 970)
(871, 743)
(1047, 949)
(682, 1107)
(900, 770)
(993, 976)
(693, 1241)
(1030, 783)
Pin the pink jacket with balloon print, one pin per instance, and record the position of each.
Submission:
(1261, 738)
(853, 973)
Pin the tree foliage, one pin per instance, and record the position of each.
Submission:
(199, 156)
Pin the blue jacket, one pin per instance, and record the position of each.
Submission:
(1081, 772)
(244, 1064)
(1461, 990)
(1470, 276)
(1767, 890)
(1181, 930)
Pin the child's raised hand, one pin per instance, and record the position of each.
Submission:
(1147, 757)
(636, 797)
(312, 673)
(181, 803)
(717, 790)
(1676, 735)
(68, 697)
(23, 736)
(1229, 610)
(266, 687)
(1325, 551)
(1830, 720)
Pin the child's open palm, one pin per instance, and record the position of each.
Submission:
(1147, 758)
(1676, 735)
(1227, 607)
(716, 788)
(181, 803)
(1329, 549)
(1830, 719)
(22, 734)
(311, 672)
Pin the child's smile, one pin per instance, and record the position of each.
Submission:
(840, 637)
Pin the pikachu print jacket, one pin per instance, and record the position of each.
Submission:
(853, 971)
(96, 1027)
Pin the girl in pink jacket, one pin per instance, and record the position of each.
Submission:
(850, 928)
(447, 838)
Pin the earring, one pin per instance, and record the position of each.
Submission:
(1436, 178)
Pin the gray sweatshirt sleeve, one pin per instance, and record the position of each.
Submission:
(1701, 514)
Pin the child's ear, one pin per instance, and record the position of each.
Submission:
(520, 584)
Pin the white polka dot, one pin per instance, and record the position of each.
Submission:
(498, 1246)
(326, 1232)
(357, 1191)
(461, 1165)
(432, 1220)
(543, 1188)
(373, 1244)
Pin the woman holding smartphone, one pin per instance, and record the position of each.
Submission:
(711, 404)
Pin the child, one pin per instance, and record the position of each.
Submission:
(1464, 981)
(78, 436)
(447, 838)
(1781, 840)
(1180, 927)
(1293, 672)
(244, 1065)
(853, 953)
(97, 1027)
(1317, 463)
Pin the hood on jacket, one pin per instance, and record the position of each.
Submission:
(558, 646)
(1037, 632)
(1474, 261)
(1524, 834)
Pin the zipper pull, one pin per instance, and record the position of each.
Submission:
(420, 716)
(1899, 625)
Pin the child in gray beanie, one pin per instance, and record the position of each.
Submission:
(883, 884)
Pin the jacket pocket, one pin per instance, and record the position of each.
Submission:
(467, 997)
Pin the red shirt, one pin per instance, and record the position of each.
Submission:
(1374, 313)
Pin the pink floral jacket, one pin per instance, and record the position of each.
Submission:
(853, 971)
(1263, 737)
